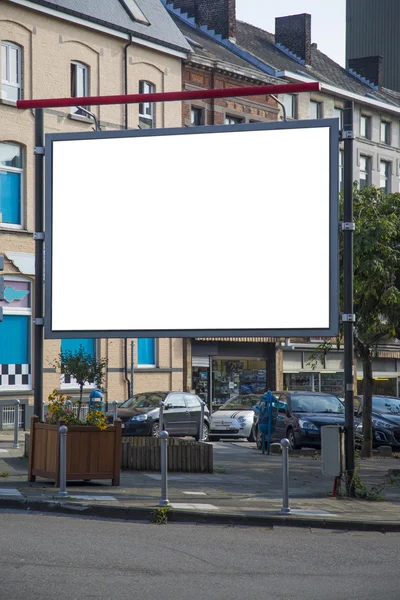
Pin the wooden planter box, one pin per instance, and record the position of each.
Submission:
(143, 454)
(91, 453)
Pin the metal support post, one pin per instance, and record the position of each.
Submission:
(161, 417)
(63, 460)
(132, 368)
(68, 405)
(164, 468)
(269, 422)
(39, 260)
(201, 432)
(348, 309)
(16, 423)
(285, 510)
(115, 415)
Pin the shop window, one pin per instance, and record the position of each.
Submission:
(237, 377)
(229, 120)
(333, 383)
(308, 382)
(11, 173)
(146, 109)
(11, 71)
(79, 85)
(196, 116)
(73, 345)
(146, 352)
(15, 335)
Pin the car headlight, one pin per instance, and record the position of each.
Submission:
(139, 418)
(359, 427)
(307, 425)
(378, 423)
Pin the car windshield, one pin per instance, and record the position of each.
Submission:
(144, 400)
(240, 403)
(316, 404)
(386, 405)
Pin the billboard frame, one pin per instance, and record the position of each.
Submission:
(332, 330)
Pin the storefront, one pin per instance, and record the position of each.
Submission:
(222, 369)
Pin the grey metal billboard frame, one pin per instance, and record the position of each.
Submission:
(332, 330)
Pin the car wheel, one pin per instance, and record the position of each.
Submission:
(205, 434)
(253, 435)
(155, 429)
(293, 445)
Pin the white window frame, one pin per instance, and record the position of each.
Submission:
(233, 120)
(368, 127)
(19, 170)
(289, 101)
(386, 177)
(198, 110)
(338, 109)
(146, 119)
(80, 68)
(5, 46)
(147, 366)
(387, 125)
(319, 109)
(73, 384)
(341, 170)
(27, 312)
(368, 172)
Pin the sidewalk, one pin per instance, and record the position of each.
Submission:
(245, 489)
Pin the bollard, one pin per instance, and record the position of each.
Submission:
(164, 468)
(16, 423)
(68, 405)
(161, 417)
(115, 405)
(285, 510)
(63, 461)
(201, 433)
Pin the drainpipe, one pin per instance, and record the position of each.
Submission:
(126, 77)
(280, 104)
(126, 378)
(91, 114)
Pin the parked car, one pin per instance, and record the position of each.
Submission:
(235, 418)
(140, 415)
(301, 416)
(385, 420)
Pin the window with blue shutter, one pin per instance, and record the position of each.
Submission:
(74, 344)
(146, 351)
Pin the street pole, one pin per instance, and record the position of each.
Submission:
(39, 245)
(348, 317)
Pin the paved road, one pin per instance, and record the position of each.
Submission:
(71, 558)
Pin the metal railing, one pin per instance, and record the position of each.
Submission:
(8, 417)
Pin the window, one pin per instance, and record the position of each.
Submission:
(146, 109)
(338, 114)
(233, 120)
(341, 170)
(146, 352)
(79, 85)
(315, 110)
(385, 132)
(365, 127)
(289, 102)
(11, 185)
(365, 171)
(196, 116)
(11, 72)
(176, 400)
(385, 176)
(73, 345)
(15, 335)
(192, 401)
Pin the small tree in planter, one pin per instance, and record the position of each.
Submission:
(83, 367)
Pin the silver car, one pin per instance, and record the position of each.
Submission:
(235, 419)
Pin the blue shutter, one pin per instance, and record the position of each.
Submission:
(14, 340)
(73, 345)
(10, 197)
(146, 351)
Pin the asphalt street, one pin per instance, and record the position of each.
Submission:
(60, 558)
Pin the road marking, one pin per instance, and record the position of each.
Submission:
(194, 506)
(1, 450)
(196, 493)
(311, 512)
(82, 497)
(9, 492)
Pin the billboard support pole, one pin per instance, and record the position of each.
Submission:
(348, 318)
(38, 320)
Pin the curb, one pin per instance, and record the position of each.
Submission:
(196, 518)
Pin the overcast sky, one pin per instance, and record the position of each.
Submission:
(328, 20)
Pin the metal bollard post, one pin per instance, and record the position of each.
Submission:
(115, 405)
(285, 510)
(201, 433)
(164, 468)
(16, 423)
(161, 417)
(63, 461)
(68, 405)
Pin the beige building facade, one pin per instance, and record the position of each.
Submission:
(48, 53)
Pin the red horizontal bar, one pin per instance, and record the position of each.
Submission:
(256, 90)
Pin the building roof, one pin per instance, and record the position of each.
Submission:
(115, 14)
(261, 44)
(205, 48)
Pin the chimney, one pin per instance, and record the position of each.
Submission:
(219, 15)
(294, 33)
(370, 67)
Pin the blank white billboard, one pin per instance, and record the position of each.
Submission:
(184, 232)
